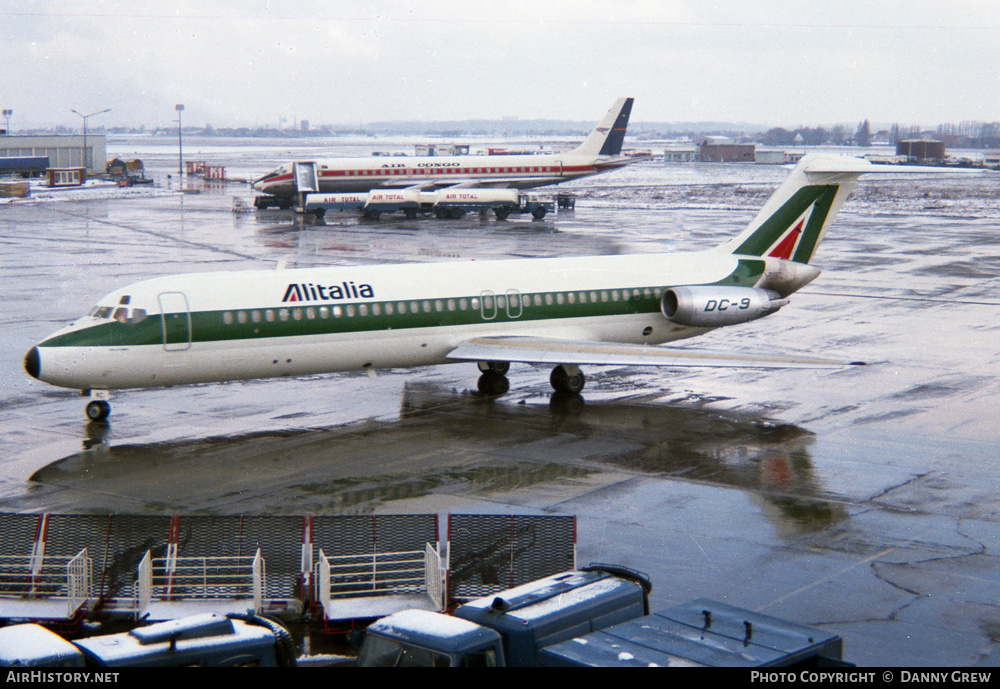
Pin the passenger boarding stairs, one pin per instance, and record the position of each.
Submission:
(172, 587)
(40, 580)
(371, 585)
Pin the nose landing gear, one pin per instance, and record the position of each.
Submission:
(98, 408)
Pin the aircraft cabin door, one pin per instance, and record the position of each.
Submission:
(559, 167)
(488, 305)
(513, 304)
(175, 316)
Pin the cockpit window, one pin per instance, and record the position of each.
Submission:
(121, 313)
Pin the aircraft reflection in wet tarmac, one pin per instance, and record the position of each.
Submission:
(492, 447)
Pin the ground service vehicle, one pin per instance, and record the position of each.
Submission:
(453, 202)
(593, 618)
(207, 640)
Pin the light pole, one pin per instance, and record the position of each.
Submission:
(7, 112)
(180, 140)
(85, 118)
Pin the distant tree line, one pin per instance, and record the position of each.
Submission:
(838, 135)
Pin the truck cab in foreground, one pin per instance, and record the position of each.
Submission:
(593, 618)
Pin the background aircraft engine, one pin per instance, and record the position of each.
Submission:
(711, 307)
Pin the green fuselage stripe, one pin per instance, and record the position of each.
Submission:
(302, 319)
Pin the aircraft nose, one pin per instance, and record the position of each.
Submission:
(33, 363)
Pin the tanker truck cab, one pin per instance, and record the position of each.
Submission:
(509, 629)
(418, 638)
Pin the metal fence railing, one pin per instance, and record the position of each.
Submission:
(376, 574)
(54, 578)
(201, 578)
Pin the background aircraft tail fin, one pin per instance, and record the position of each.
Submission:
(793, 221)
(607, 137)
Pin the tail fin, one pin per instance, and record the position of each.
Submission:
(609, 134)
(796, 217)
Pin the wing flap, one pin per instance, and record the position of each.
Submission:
(531, 350)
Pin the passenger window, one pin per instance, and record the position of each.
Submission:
(363, 309)
(227, 318)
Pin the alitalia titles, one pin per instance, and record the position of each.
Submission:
(307, 291)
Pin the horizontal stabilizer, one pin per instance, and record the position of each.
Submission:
(533, 350)
(832, 164)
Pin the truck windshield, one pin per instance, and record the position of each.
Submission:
(381, 652)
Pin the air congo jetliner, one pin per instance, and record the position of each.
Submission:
(602, 310)
(600, 152)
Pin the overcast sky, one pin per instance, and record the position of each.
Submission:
(251, 62)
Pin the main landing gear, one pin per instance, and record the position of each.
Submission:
(565, 378)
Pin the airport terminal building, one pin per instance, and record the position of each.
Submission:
(62, 150)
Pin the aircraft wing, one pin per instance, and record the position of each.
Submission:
(534, 350)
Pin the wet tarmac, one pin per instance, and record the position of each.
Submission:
(865, 501)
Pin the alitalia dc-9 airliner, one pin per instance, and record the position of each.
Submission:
(566, 312)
